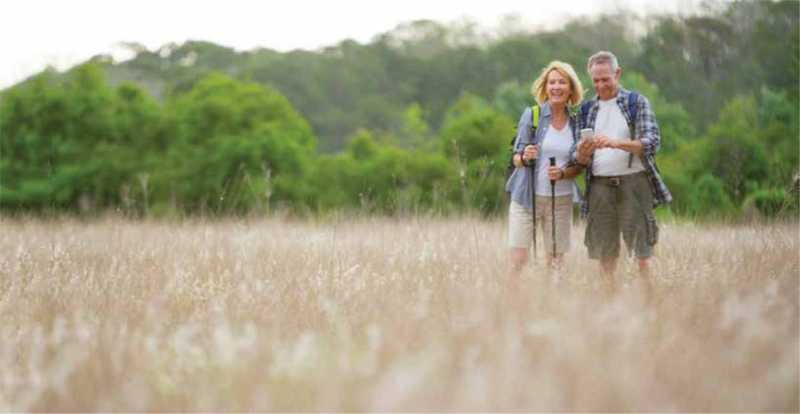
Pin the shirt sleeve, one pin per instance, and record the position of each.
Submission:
(523, 131)
(573, 149)
(647, 128)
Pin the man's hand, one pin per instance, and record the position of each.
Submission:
(584, 151)
(603, 141)
(632, 146)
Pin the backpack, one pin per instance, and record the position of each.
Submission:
(534, 124)
(632, 111)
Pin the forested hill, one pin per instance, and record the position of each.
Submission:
(416, 120)
(698, 62)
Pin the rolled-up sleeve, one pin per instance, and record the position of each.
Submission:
(647, 127)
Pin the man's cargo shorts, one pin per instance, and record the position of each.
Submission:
(622, 204)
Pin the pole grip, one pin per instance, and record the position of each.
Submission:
(552, 164)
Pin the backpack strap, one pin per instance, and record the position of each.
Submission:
(534, 126)
(535, 116)
(633, 110)
(585, 106)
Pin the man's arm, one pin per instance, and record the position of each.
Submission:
(580, 156)
(633, 146)
(646, 129)
(571, 171)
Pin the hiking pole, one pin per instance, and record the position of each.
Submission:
(532, 166)
(553, 206)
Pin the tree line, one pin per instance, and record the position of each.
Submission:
(418, 119)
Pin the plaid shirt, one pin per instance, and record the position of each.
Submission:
(646, 131)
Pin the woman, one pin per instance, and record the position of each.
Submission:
(556, 88)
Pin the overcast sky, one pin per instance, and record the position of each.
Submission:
(61, 33)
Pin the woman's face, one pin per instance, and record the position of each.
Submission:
(558, 88)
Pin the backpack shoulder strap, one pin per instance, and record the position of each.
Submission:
(585, 106)
(633, 107)
(535, 116)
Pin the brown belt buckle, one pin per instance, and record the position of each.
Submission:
(615, 181)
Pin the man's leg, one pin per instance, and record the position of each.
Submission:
(608, 265)
(636, 219)
(602, 232)
(644, 267)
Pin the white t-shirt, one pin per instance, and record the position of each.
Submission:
(611, 161)
(554, 144)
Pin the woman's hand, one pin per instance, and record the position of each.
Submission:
(530, 153)
(555, 173)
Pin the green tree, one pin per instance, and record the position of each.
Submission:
(375, 175)
(511, 99)
(72, 142)
(735, 154)
(709, 199)
(237, 145)
(476, 138)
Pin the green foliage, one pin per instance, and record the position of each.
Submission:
(235, 146)
(734, 153)
(417, 119)
(511, 98)
(72, 142)
(415, 131)
(704, 61)
(474, 131)
(772, 202)
(779, 131)
(375, 175)
(476, 137)
(709, 198)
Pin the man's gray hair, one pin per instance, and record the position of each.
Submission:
(603, 57)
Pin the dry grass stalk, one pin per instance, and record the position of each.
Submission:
(382, 314)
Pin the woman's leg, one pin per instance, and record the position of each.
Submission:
(519, 239)
(519, 258)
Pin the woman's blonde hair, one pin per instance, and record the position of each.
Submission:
(539, 89)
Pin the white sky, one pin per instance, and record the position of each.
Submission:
(37, 33)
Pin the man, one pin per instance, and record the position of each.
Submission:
(622, 183)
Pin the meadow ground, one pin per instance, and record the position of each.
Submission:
(387, 314)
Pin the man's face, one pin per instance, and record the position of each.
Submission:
(605, 81)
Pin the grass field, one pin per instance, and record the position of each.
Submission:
(383, 314)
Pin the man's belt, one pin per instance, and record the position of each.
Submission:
(615, 181)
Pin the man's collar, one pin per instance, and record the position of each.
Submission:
(621, 93)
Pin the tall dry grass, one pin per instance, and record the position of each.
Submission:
(382, 314)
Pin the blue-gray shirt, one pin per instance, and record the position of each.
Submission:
(519, 183)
